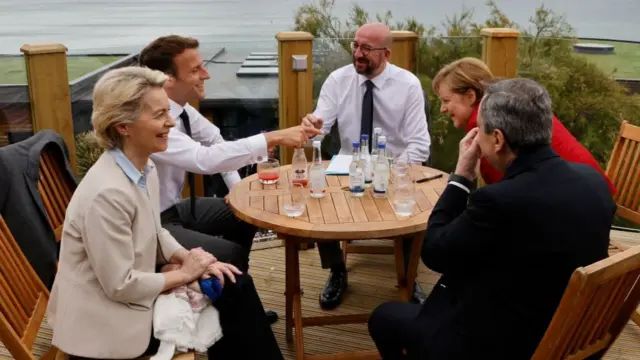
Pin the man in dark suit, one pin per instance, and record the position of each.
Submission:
(505, 251)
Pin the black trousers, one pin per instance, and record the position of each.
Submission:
(394, 326)
(331, 253)
(215, 228)
(246, 330)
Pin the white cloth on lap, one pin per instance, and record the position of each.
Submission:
(180, 328)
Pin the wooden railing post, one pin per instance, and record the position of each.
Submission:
(404, 50)
(295, 87)
(500, 51)
(49, 94)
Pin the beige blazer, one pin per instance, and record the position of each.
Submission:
(102, 298)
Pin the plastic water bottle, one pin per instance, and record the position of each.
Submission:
(316, 173)
(299, 166)
(377, 132)
(356, 173)
(381, 171)
(365, 158)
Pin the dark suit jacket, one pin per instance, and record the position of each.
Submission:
(21, 205)
(507, 255)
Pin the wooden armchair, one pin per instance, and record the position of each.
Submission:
(623, 170)
(55, 188)
(23, 300)
(595, 307)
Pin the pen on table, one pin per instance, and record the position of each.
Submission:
(428, 178)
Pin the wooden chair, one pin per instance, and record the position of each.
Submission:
(55, 188)
(23, 300)
(595, 307)
(623, 170)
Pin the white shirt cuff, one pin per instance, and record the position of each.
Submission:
(258, 146)
(457, 184)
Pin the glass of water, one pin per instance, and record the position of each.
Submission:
(299, 195)
(403, 197)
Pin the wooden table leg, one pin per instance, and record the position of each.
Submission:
(293, 297)
(406, 279)
(400, 272)
(414, 259)
(291, 252)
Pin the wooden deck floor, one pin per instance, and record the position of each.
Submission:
(371, 281)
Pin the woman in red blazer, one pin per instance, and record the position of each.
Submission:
(460, 87)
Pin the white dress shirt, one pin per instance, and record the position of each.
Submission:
(398, 103)
(205, 152)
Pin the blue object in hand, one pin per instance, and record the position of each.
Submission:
(211, 287)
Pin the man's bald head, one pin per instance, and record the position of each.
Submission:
(371, 49)
(378, 33)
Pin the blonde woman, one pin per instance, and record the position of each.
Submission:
(101, 304)
(460, 86)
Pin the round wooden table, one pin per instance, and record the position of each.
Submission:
(337, 216)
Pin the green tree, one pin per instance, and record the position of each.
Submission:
(589, 102)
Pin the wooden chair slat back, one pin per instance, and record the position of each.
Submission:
(55, 189)
(623, 170)
(23, 297)
(595, 307)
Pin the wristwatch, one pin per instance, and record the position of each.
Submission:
(462, 181)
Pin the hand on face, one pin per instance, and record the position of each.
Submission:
(469, 155)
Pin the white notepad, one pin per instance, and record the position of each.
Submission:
(339, 165)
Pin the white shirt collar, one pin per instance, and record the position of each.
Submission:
(175, 109)
(379, 80)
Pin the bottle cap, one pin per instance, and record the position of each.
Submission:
(356, 144)
(364, 137)
(316, 143)
(382, 139)
(377, 130)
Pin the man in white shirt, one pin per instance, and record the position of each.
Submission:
(196, 147)
(370, 93)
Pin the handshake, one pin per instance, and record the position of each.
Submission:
(295, 136)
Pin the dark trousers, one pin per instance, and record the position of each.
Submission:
(331, 253)
(215, 229)
(394, 327)
(246, 330)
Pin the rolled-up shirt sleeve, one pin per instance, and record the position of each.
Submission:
(108, 237)
(327, 106)
(416, 129)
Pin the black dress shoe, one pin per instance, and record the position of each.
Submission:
(272, 316)
(334, 289)
(419, 296)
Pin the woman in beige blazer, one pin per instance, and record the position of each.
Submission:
(101, 304)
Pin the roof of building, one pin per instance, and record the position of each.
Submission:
(242, 77)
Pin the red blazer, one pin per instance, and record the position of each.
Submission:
(562, 142)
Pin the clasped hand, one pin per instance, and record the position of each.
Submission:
(469, 155)
(201, 264)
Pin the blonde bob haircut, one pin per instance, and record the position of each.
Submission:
(463, 75)
(118, 99)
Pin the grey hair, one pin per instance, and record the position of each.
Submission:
(521, 109)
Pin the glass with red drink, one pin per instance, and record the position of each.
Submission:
(269, 171)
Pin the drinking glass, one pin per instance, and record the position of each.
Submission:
(269, 171)
(403, 195)
(298, 200)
